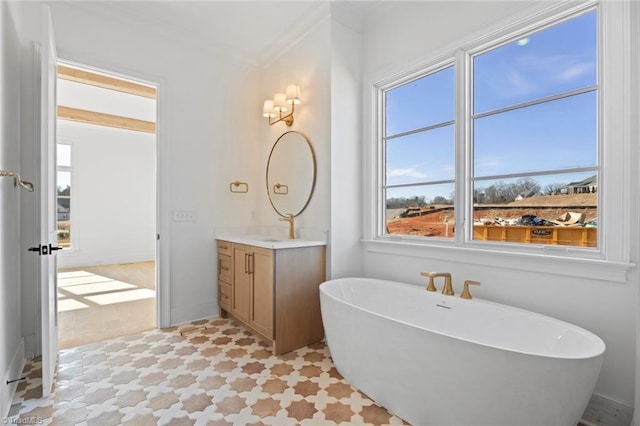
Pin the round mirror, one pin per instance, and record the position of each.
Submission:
(291, 173)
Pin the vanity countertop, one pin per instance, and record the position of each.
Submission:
(270, 242)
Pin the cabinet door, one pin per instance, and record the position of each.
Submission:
(241, 299)
(262, 307)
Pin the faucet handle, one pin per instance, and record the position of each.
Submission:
(466, 294)
(431, 275)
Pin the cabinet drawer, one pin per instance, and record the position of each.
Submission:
(224, 296)
(225, 289)
(224, 247)
(224, 268)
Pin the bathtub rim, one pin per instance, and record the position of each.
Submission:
(599, 344)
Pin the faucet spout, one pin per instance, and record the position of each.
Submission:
(289, 218)
(448, 287)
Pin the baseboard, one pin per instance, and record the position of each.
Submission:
(605, 411)
(191, 313)
(32, 345)
(7, 391)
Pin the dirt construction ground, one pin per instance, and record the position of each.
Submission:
(549, 207)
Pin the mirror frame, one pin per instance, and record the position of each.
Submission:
(315, 169)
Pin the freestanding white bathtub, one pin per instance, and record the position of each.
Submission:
(441, 360)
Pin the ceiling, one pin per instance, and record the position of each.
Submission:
(253, 31)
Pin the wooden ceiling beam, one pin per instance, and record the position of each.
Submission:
(101, 119)
(106, 82)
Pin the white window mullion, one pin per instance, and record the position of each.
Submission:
(464, 206)
(381, 170)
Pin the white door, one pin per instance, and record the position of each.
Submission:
(47, 204)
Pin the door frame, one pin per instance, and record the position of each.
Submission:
(163, 305)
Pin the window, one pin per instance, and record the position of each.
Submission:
(420, 156)
(63, 200)
(514, 159)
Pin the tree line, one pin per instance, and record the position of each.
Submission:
(498, 193)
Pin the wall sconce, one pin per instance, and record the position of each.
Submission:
(278, 107)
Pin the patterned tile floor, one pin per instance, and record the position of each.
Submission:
(211, 372)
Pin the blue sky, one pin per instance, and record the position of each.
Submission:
(553, 135)
(64, 159)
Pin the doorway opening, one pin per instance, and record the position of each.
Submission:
(106, 205)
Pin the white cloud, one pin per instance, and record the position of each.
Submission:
(518, 83)
(551, 68)
(534, 73)
(406, 172)
(575, 71)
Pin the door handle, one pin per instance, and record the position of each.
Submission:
(54, 248)
(43, 250)
(36, 249)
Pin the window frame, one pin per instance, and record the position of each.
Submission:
(433, 69)
(70, 169)
(612, 252)
(469, 117)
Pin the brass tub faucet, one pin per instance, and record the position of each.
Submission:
(448, 287)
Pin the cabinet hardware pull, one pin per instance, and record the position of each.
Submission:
(246, 269)
(251, 263)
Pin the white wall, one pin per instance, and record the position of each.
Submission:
(12, 345)
(606, 308)
(406, 35)
(204, 97)
(344, 255)
(308, 64)
(206, 135)
(326, 64)
(113, 195)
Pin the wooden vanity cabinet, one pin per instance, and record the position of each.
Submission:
(274, 293)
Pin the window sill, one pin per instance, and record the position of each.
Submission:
(549, 263)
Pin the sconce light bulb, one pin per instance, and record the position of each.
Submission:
(267, 109)
(293, 94)
(279, 103)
